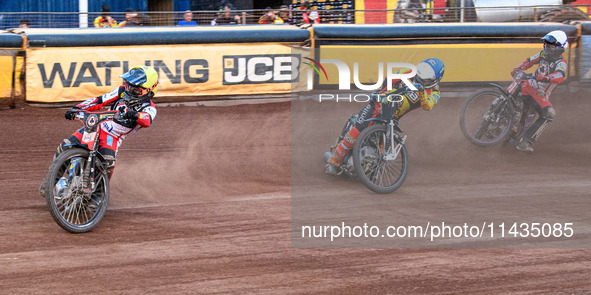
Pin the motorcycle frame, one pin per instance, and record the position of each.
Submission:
(526, 107)
(91, 138)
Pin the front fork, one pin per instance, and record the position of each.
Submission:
(395, 142)
(89, 174)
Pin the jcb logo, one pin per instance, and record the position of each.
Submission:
(258, 69)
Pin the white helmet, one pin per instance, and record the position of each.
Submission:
(430, 72)
(559, 40)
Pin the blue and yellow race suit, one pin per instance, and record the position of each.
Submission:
(411, 100)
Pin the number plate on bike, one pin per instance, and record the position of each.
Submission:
(88, 137)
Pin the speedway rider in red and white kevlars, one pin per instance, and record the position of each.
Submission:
(133, 100)
(551, 72)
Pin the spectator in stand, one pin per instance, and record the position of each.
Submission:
(284, 13)
(144, 18)
(140, 19)
(24, 24)
(226, 17)
(187, 19)
(129, 15)
(308, 16)
(270, 17)
(105, 20)
(135, 21)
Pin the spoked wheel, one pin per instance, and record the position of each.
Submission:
(485, 118)
(373, 164)
(71, 208)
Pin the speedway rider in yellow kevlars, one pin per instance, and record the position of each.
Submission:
(429, 73)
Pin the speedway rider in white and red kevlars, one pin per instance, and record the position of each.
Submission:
(133, 100)
(551, 72)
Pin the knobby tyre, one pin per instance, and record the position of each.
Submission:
(376, 173)
(485, 119)
(70, 208)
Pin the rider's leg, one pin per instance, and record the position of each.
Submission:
(67, 143)
(546, 115)
(110, 162)
(73, 140)
(370, 110)
(108, 146)
(342, 150)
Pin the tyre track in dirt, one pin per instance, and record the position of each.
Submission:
(201, 204)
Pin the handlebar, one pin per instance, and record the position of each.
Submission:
(521, 76)
(92, 119)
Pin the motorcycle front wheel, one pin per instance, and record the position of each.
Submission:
(70, 207)
(369, 159)
(485, 117)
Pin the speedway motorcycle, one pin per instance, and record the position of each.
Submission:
(77, 183)
(379, 157)
(494, 115)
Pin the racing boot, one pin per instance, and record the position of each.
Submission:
(110, 165)
(524, 146)
(341, 151)
(327, 156)
(331, 169)
(533, 133)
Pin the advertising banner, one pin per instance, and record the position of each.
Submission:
(10, 72)
(74, 74)
(463, 62)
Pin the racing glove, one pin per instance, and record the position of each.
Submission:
(515, 73)
(542, 78)
(419, 87)
(131, 115)
(71, 113)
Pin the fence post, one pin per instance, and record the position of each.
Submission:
(83, 17)
(462, 7)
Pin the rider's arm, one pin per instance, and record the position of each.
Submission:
(527, 63)
(429, 97)
(146, 115)
(560, 74)
(98, 102)
(384, 88)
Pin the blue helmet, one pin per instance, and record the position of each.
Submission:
(430, 72)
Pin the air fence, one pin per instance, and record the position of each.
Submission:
(65, 65)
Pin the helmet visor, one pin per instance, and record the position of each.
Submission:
(551, 40)
(427, 83)
(135, 91)
(136, 76)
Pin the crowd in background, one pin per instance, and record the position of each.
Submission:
(284, 15)
(227, 15)
(132, 18)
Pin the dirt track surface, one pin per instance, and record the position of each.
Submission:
(200, 203)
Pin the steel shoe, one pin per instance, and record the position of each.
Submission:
(331, 169)
(524, 146)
